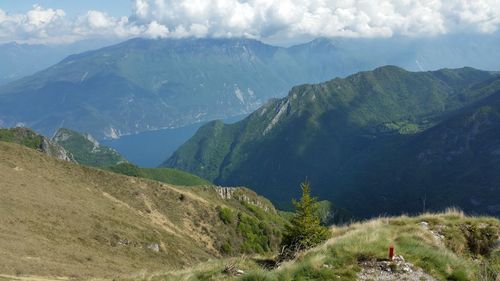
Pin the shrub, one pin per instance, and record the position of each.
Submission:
(255, 234)
(458, 274)
(226, 248)
(480, 240)
(226, 215)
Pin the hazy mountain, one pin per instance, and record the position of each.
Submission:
(142, 85)
(19, 60)
(351, 55)
(383, 141)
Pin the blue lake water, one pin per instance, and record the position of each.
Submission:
(150, 149)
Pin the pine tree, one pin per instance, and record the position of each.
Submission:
(305, 230)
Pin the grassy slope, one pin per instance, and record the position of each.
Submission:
(166, 175)
(449, 258)
(62, 219)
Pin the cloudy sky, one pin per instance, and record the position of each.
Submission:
(278, 21)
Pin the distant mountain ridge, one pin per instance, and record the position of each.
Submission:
(381, 141)
(141, 85)
(19, 60)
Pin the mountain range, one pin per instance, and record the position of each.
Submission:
(141, 85)
(385, 141)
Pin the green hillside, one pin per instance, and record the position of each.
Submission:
(86, 150)
(61, 219)
(166, 175)
(358, 140)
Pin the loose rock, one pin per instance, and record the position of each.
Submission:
(397, 269)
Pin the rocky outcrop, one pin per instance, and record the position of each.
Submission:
(52, 149)
(27, 137)
(238, 193)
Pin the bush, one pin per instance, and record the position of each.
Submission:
(226, 215)
(255, 234)
(480, 240)
(458, 274)
(226, 248)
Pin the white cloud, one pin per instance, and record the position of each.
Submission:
(96, 23)
(37, 25)
(156, 30)
(355, 18)
(272, 20)
(40, 17)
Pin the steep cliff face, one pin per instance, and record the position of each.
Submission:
(31, 139)
(53, 149)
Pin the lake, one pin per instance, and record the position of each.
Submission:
(150, 149)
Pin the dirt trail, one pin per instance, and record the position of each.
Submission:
(191, 195)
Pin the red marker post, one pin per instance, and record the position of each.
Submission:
(391, 251)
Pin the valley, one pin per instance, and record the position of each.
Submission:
(149, 149)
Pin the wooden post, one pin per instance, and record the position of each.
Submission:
(391, 251)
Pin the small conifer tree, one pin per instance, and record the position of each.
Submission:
(305, 229)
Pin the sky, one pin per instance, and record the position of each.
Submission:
(278, 21)
(72, 8)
